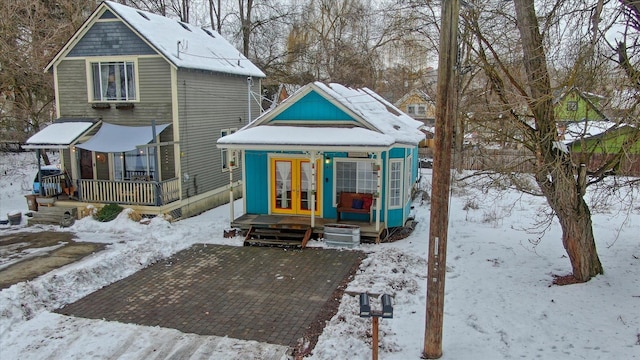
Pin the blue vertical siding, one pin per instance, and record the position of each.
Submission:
(313, 107)
(328, 207)
(257, 182)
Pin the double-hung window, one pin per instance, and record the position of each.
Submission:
(114, 81)
(395, 184)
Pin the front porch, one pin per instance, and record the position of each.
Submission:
(124, 192)
(148, 198)
(368, 232)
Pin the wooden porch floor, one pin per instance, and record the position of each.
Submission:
(368, 232)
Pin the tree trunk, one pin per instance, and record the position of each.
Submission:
(565, 196)
(555, 173)
(578, 240)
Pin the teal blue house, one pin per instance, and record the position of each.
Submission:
(323, 141)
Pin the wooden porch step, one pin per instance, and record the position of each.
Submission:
(278, 236)
(63, 216)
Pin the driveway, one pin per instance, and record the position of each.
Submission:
(27, 255)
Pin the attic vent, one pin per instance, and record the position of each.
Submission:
(397, 127)
(184, 26)
(209, 33)
(143, 15)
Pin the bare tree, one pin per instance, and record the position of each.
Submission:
(525, 62)
(32, 33)
(215, 14)
(537, 50)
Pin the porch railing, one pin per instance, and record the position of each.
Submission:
(52, 185)
(129, 192)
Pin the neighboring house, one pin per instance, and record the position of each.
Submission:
(140, 98)
(599, 142)
(419, 106)
(322, 141)
(572, 105)
(278, 94)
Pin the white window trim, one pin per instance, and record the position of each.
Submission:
(335, 166)
(89, 75)
(401, 184)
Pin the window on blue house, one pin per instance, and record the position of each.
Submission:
(395, 183)
(408, 177)
(355, 176)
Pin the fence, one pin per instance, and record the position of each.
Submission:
(522, 161)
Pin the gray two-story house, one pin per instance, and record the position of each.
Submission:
(141, 100)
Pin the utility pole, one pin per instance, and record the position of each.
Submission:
(446, 107)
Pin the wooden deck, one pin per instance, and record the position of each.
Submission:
(368, 231)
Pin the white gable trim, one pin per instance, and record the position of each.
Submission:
(269, 116)
(94, 18)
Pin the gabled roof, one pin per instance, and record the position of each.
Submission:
(376, 123)
(283, 92)
(586, 96)
(200, 48)
(423, 95)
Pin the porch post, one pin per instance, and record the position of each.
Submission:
(39, 173)
(313, 189)
(230, 155)
(378, 188)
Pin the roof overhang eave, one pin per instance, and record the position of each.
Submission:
(333, 148)
(45, 146)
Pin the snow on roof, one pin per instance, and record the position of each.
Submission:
(200, 48)
(59, 134)
(377, 111)
(307, 136)
(382, 123)
(577, 130)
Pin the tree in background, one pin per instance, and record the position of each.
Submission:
(537, 50)
(32, 32)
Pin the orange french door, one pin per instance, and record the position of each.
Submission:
(291, 186)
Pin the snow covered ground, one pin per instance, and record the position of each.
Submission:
(499, 300)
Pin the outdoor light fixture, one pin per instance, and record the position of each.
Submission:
(387, 307)
(385, 313)
(365, 308)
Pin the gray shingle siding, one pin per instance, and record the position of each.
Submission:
(107, 15)
(111, 38)
(208, 103)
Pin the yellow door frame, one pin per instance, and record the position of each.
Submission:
(296, 186)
